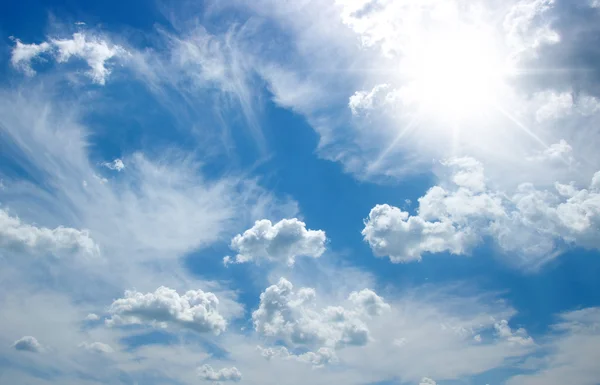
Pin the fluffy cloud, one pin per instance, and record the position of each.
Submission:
(526, 27)
(92, 317)
(207, 373)
(518, 337)
(363, 101)
(427, 381)
(28, 344)
(404, 238)
(290, 315)
(367, 301)
(456, 218)
(195, 310)
(319, 358)
(281, 242)
(96, 347)
(16, 235)
(95, 51)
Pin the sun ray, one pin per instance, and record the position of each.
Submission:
(407, 129)
(520, 125)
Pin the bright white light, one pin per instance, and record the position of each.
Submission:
(454, 73)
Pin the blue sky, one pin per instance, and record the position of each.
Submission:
(356, 192)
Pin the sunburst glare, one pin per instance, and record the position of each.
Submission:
(455, 72)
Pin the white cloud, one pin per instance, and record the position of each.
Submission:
(518, 337)
(526, 26)
(207, 373)
(28, 344)
(291, 315)
(115, 165)
(404, 238)
(16, 235)
(196, 310)
(555, 106)
(530, 225)
(23, 54)
(319, 358)
(92, 317)
(551, 106)
(365, 100)
(282, 242)
(197, 61)
(369, 302)
(427, 381)
(97, 347)
(557, 154)
(95, 51)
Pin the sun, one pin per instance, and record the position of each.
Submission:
(454, 73)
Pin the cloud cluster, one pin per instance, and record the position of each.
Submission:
(196, 310)
(282, 242)
(518, 336)
(456, 218)
(16, 236)
(319, 358)
(207, 373)
(95, 51)
(291, 316)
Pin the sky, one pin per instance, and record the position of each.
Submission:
(355, 192)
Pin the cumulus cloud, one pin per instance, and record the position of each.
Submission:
(16, 235)
(207, 373)
(115, 165)
(92, 317)
(427, 381)
(196, 310)
(28, 344)
(319, 358)
(290, 315)
(367, 301)
(455, 219)
(96, 347)
(364, 101)
(282, 242)
(527, 28)
(403, 238)
(95, 51)
(518, 336)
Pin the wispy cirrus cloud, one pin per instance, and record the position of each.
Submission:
(95, 51)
